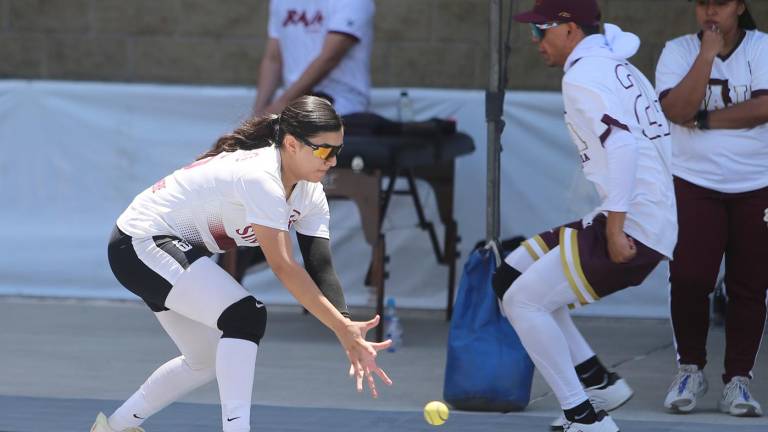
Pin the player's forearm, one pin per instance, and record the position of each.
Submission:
(684, 100)
(316, 253)
(745, 115)
(315, 72)
(615, 224)
(301, 286)
(270, 73)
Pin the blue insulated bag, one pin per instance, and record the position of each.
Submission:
(487, 368)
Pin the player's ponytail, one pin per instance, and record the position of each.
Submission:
(305, 117)
(254, 133)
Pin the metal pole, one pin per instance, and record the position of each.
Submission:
(494, 99)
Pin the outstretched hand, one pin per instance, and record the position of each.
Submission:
(362, 354)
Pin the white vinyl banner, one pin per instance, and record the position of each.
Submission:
(75, 154)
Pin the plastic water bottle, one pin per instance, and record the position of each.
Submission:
(392, 328)
(357, 164)
(404, 107)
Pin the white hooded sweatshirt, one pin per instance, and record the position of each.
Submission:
(616, 122)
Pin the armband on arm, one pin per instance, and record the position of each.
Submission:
(701, 121)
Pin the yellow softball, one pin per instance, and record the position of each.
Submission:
(436, 413)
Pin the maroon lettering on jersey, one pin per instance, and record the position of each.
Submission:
(725, 89)
(244, 231)
(624, 75)
(247, 234)
(293, 217)
(295, 17)
(159, 185)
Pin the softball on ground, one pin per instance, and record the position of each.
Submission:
(436, 413)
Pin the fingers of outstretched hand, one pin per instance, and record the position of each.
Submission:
(371, 383)
(369, 349)
(373, 322)
(378, 346)
(363, 368)
(383, 376)
(359, 375)
(355, 370)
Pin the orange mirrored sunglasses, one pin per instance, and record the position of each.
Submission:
(323, 151)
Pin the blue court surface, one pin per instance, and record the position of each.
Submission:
(63, 361)
(24, 414)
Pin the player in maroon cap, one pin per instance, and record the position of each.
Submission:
(616, 123)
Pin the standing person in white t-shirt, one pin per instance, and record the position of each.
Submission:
(257, 183)
(320, 47)
(713, 87)
(622, 137)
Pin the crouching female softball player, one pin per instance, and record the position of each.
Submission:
(257, 183)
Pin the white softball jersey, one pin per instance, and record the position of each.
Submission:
(725, 160)
(622, 136)
(301, 27)
(213, 202)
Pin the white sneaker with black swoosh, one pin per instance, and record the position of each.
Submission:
(604, 423)
(608, 396)
(102, 425)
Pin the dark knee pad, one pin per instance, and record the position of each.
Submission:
(244, 319)
(503, 278)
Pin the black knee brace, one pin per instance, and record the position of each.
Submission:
(503, 278)
(244, 319)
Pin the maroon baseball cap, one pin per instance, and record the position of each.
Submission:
(583, 12)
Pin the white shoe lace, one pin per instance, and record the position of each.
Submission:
(738, 387)
(694, 377)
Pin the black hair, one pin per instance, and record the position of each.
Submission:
(746, 21)
(305, 117)
(590, 30)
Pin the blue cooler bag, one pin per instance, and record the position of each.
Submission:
(487, 368)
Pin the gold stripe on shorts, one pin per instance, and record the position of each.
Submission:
(530, 250)
(577, 265)
(541, 243)
(567, 268)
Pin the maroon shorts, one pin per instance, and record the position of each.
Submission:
(584, 255)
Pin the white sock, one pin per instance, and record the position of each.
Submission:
(235, 362)
(169, 382)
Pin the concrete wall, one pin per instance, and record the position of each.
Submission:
(425, 43)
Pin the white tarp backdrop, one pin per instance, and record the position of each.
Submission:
(74, 155)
